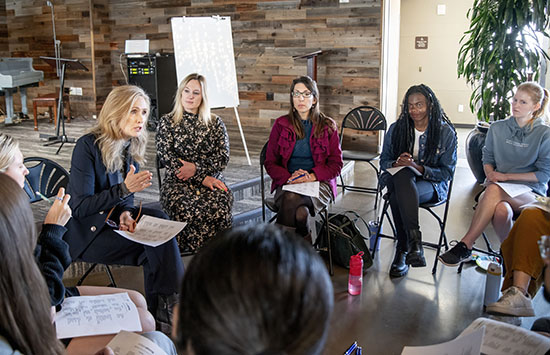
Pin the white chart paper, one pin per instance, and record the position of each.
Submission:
(304, 188)
(153, 231)
(126, 343)
(503, 338)
(393, 171)
(513, 189)
(96, 315)
(469, 344)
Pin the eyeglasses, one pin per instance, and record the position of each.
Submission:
(305, 94)
(113, 224)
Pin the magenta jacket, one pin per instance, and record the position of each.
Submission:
(327, 155)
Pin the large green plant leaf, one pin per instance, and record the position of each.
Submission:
(500, 50)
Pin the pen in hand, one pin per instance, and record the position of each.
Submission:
(297, 177)
(44, 197)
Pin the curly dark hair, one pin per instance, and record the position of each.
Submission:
(404, 126)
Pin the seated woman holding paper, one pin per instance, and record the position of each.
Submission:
(268, 282)
(422, 144)
(303, 147)
(52, 252)
(193, 145)
(517, 150)
(104, 177)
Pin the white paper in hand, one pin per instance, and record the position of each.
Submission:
(126, 343)
(96, 315)
(463, 344)
(304, 188)
(393, 171)
(513, 190)
(153, 231)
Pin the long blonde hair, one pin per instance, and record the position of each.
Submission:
(108, 134)
(8, 148)
(25, 319)
(204, 109)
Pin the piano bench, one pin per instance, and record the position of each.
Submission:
(50, 101)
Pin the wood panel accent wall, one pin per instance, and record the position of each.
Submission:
(4, 48)
(266, 35)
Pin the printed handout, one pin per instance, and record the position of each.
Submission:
(512, 189)
(304, 188)
(503, 338)
(469, 344)
(393, 171)
(126, 343)
(95, 315)
(153, 231)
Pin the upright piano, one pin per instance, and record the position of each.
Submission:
(17, 73)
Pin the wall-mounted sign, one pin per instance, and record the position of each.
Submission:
(421, 42)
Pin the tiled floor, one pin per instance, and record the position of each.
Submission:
(418, 309)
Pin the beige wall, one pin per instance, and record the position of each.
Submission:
(438, 62)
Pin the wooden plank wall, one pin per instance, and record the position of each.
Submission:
(4, 48)
(266, 35)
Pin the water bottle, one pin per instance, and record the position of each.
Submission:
(355, 280)
(492, 284)
(373, 228)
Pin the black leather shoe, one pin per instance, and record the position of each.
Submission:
(399, 266)
(415, 256)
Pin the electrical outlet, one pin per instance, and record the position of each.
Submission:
(344, 1)
(460, 108)
(75, 91)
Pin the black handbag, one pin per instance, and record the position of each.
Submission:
(347, 238)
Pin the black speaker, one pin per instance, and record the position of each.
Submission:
(156, 74)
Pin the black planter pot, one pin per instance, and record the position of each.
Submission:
(474, 145)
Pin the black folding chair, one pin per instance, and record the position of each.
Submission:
(46, 177)
(359, 140)
(268, 203)
(428, 207)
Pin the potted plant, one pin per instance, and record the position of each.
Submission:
(500, 50)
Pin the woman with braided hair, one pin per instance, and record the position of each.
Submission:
(425, 140)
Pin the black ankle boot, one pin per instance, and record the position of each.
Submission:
(164, 312)
(415, 256)
(399, 266)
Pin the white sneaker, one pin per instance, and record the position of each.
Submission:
(513, 302)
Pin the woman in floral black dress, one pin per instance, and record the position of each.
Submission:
(194, 147)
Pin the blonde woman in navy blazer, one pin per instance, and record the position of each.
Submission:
(104, 177)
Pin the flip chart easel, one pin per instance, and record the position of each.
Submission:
(204, 45)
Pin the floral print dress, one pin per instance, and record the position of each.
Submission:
(206, 212)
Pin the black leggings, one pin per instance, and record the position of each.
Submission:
(294, 210)
(407, 192)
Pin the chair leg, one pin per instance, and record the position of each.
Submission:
(90, 269)
(329, 248)
(442, 238)
(111, 278)
(342, 182)
(377, 240)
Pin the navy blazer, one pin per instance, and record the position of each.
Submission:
(93, 193)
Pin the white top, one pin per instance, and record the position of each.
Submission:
(416, 146)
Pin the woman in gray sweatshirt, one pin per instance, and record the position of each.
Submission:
(517, 150)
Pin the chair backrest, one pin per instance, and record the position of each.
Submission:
(358, 121)
(159, 166)
(45, 176)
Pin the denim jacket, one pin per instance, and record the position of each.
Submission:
(437, 174)
(327, 155)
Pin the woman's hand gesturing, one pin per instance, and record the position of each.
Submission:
(60, 212)
(138, 182)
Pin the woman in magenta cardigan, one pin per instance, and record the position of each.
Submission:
(303, 147)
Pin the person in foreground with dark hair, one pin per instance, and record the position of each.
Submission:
(254, 290)
(422, 138)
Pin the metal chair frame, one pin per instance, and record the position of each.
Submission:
(367, 119)
(46, 176)
(428, 207)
